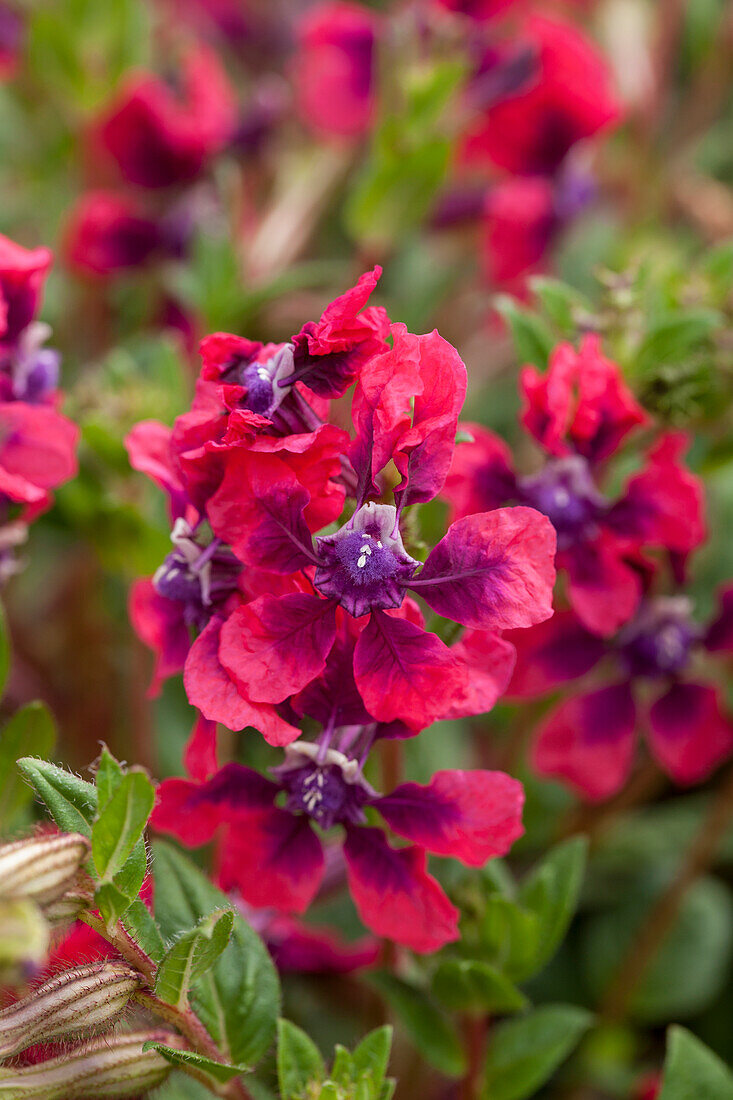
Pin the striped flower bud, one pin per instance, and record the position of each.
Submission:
(111, 1067)
(41, 867)
(74, 1004)
(67, 908)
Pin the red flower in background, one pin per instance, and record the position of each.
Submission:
(580, 411)
(567, 98)
(334, 68)
(160, 139)
(108, 232)
(589, 739)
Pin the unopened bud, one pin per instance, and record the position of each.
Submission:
(41, 867)
(111, 1067)
(67, 908)
(72, 1005)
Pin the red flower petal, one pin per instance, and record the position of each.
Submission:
(488, 661)
(159, 623)
(551, 653)
(494, 570)
(689, 735)
(394, 894)
(469, 815)
(589, 741)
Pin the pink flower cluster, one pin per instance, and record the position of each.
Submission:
(290, 595)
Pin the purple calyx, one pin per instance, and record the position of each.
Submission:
(266, 383)
(365, 565)
(326, 786)
(199, 577)
(30, 371)
(565, 492)
(659, 640)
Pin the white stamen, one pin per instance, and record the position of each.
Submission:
(562, 497)
(362, 561)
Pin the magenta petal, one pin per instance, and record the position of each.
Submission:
(719, 637)
(552, 653)
(274, 859)
(159, 623)
(210, 688)
(180, 812)
(295, 946)
(404, 673)
(469, 815)
(258, 511)
(276, 645)
(493, 571)
(589, 741)
(199, 754)
(689, 735)
(149, 450)
(488, 661)
(603, 590)
(394, 894)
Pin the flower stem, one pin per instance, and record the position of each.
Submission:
(660, 919)
(474, 1039)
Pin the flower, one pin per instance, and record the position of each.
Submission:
(335, 68)
(568, 97)
(108, 232)
(159, 139)
(588, 738)
(490, 572)
(273, 856)
(580, 411)
(22, 275)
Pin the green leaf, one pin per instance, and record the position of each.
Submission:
(552, 891)
(108, 777)
(31, 729)
(532, 339)
(299, 1061)
(468, 985)
(218, 1070)
(692, 1071)
(191, 955)
(238, 998)
(372, 1055)
(429, 1028)
(524, 1053)
(563, 304)
(71, 802)
(120, 824)
(138, 922)
(180, 1086)
(512, 935)
(674, 336)
(342, 1070)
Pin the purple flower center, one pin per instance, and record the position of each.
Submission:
(328, 787)
(565, 492)
(260, 394)
(658, 642)
(199, 578)
(364, 565)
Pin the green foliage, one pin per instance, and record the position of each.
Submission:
(238, 997)
(430, 1029)
(191, 956)
(469, 985)
(218, 1071)
(692, 1071)
(360, 1075)
(533, 341)
(71, 802)
(30, 730)
(524, 1053)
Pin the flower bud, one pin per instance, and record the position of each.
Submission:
(67, 908)
(74, 1004)
(111, 1067)
(41, 867)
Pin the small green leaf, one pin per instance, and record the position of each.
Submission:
(532, 339)
(191, 955)
(429, 1028)
(562, 303)
(237, 999)
(342, 1070)
(71, 802)
(30, 730)
(524, 1053)
(120, 824)
(372, 1055)
(552, 891)
(299, 1061)
(692, 1071)
(108, 777)
(138, 922)
(674, 336)
(469, 985)
(183, 1058)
